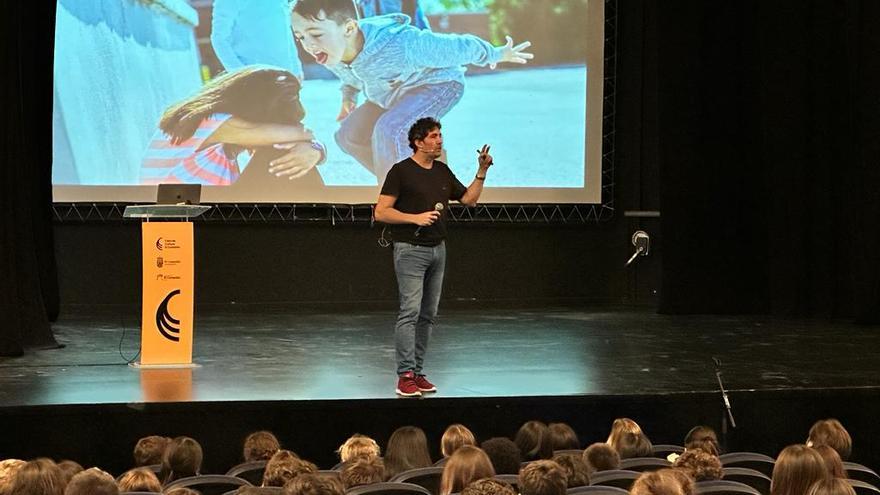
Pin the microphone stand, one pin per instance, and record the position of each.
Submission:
(726, 401)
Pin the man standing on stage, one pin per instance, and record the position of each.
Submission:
(414, 200)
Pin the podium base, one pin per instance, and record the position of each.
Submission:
(140, 366)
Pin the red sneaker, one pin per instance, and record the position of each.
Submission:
(424, 385)
(406, 385)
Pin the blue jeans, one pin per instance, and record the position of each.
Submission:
(378, 137)
(419, 272)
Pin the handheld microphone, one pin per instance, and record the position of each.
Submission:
(437, 207)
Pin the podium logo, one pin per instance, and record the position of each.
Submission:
(160, 262)
(160, 244)
(167, 325)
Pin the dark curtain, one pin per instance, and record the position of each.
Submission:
(28, 277)
(769, 122)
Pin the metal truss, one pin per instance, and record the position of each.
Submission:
(353, 214)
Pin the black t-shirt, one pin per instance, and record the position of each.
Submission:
(419, 190)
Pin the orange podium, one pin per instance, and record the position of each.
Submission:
(168, 299)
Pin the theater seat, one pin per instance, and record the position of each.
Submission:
(859, 472)
(208, 484)
(643, 464)
(620, 478)
(663, 450)
(751, 460)
(863, 488)
(755, 479)
(596, 490)
(723, 487)
(510, 479)
(251, 471)
(427, 478)
(389, 488)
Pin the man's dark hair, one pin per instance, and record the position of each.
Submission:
(504, 455)
(420, 130)
(338, 11)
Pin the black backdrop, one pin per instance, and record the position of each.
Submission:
(752, 125)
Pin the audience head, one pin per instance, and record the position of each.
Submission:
(362, 472)
(285, 466)
(260, 446)
(699, 465)
(8, 468)
(542, 477)
(182, 459)
(577, 473)
(628, 439)
(533, 440)
(504, 455)
(69, 469)
(92, 481)
(465, 465)
(563, 437)
(358, 447)
(601, 457)
(796, 469)
(139, 480)
(181, 491)
(407, 449)
(314, 484)
(488, 486)
(38, 477)
(702, 437)
(454, 437)
(663, 482)
(832, 461)
(831, 433)
(149, 450)
(831, 486)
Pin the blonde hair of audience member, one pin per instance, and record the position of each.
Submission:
(313, 484)
(831, 433)
(601, 457)
(149, 450)
(92, 481)
(702, 437)
(260, 446)
(407, 449)
(139, 480)
(285, 466)
(358, 447)
(455, 436)
(563, 437)
(182, 459)
(181, 491)
(465, 465)
(831, 486)
(488, 486)
(699, 465)
(362, 472)
(797, 468)
(663, 482)
(69, 469)
(577, 473)
(628, 439)
(832, 461)
(38, 477)
(542, 478)
(533, 440)
(8, 468)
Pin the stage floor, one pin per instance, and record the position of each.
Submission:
(296, 356)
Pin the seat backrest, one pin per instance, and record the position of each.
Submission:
(596, 490)
(863, 488)
(388, 488)
(644, 463)
(751, 460)
(251, 471)
(621, 478)
(755, 479)
(264, 490)
(856, 471)
(208, 484)
(511, 479)
(428, 478)
(568, 451)
(664, 449)
(441, 462)
(724, 487)
(140, 493)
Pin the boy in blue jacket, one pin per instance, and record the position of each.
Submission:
(404, 72)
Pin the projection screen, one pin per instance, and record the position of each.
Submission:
(224, 92)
